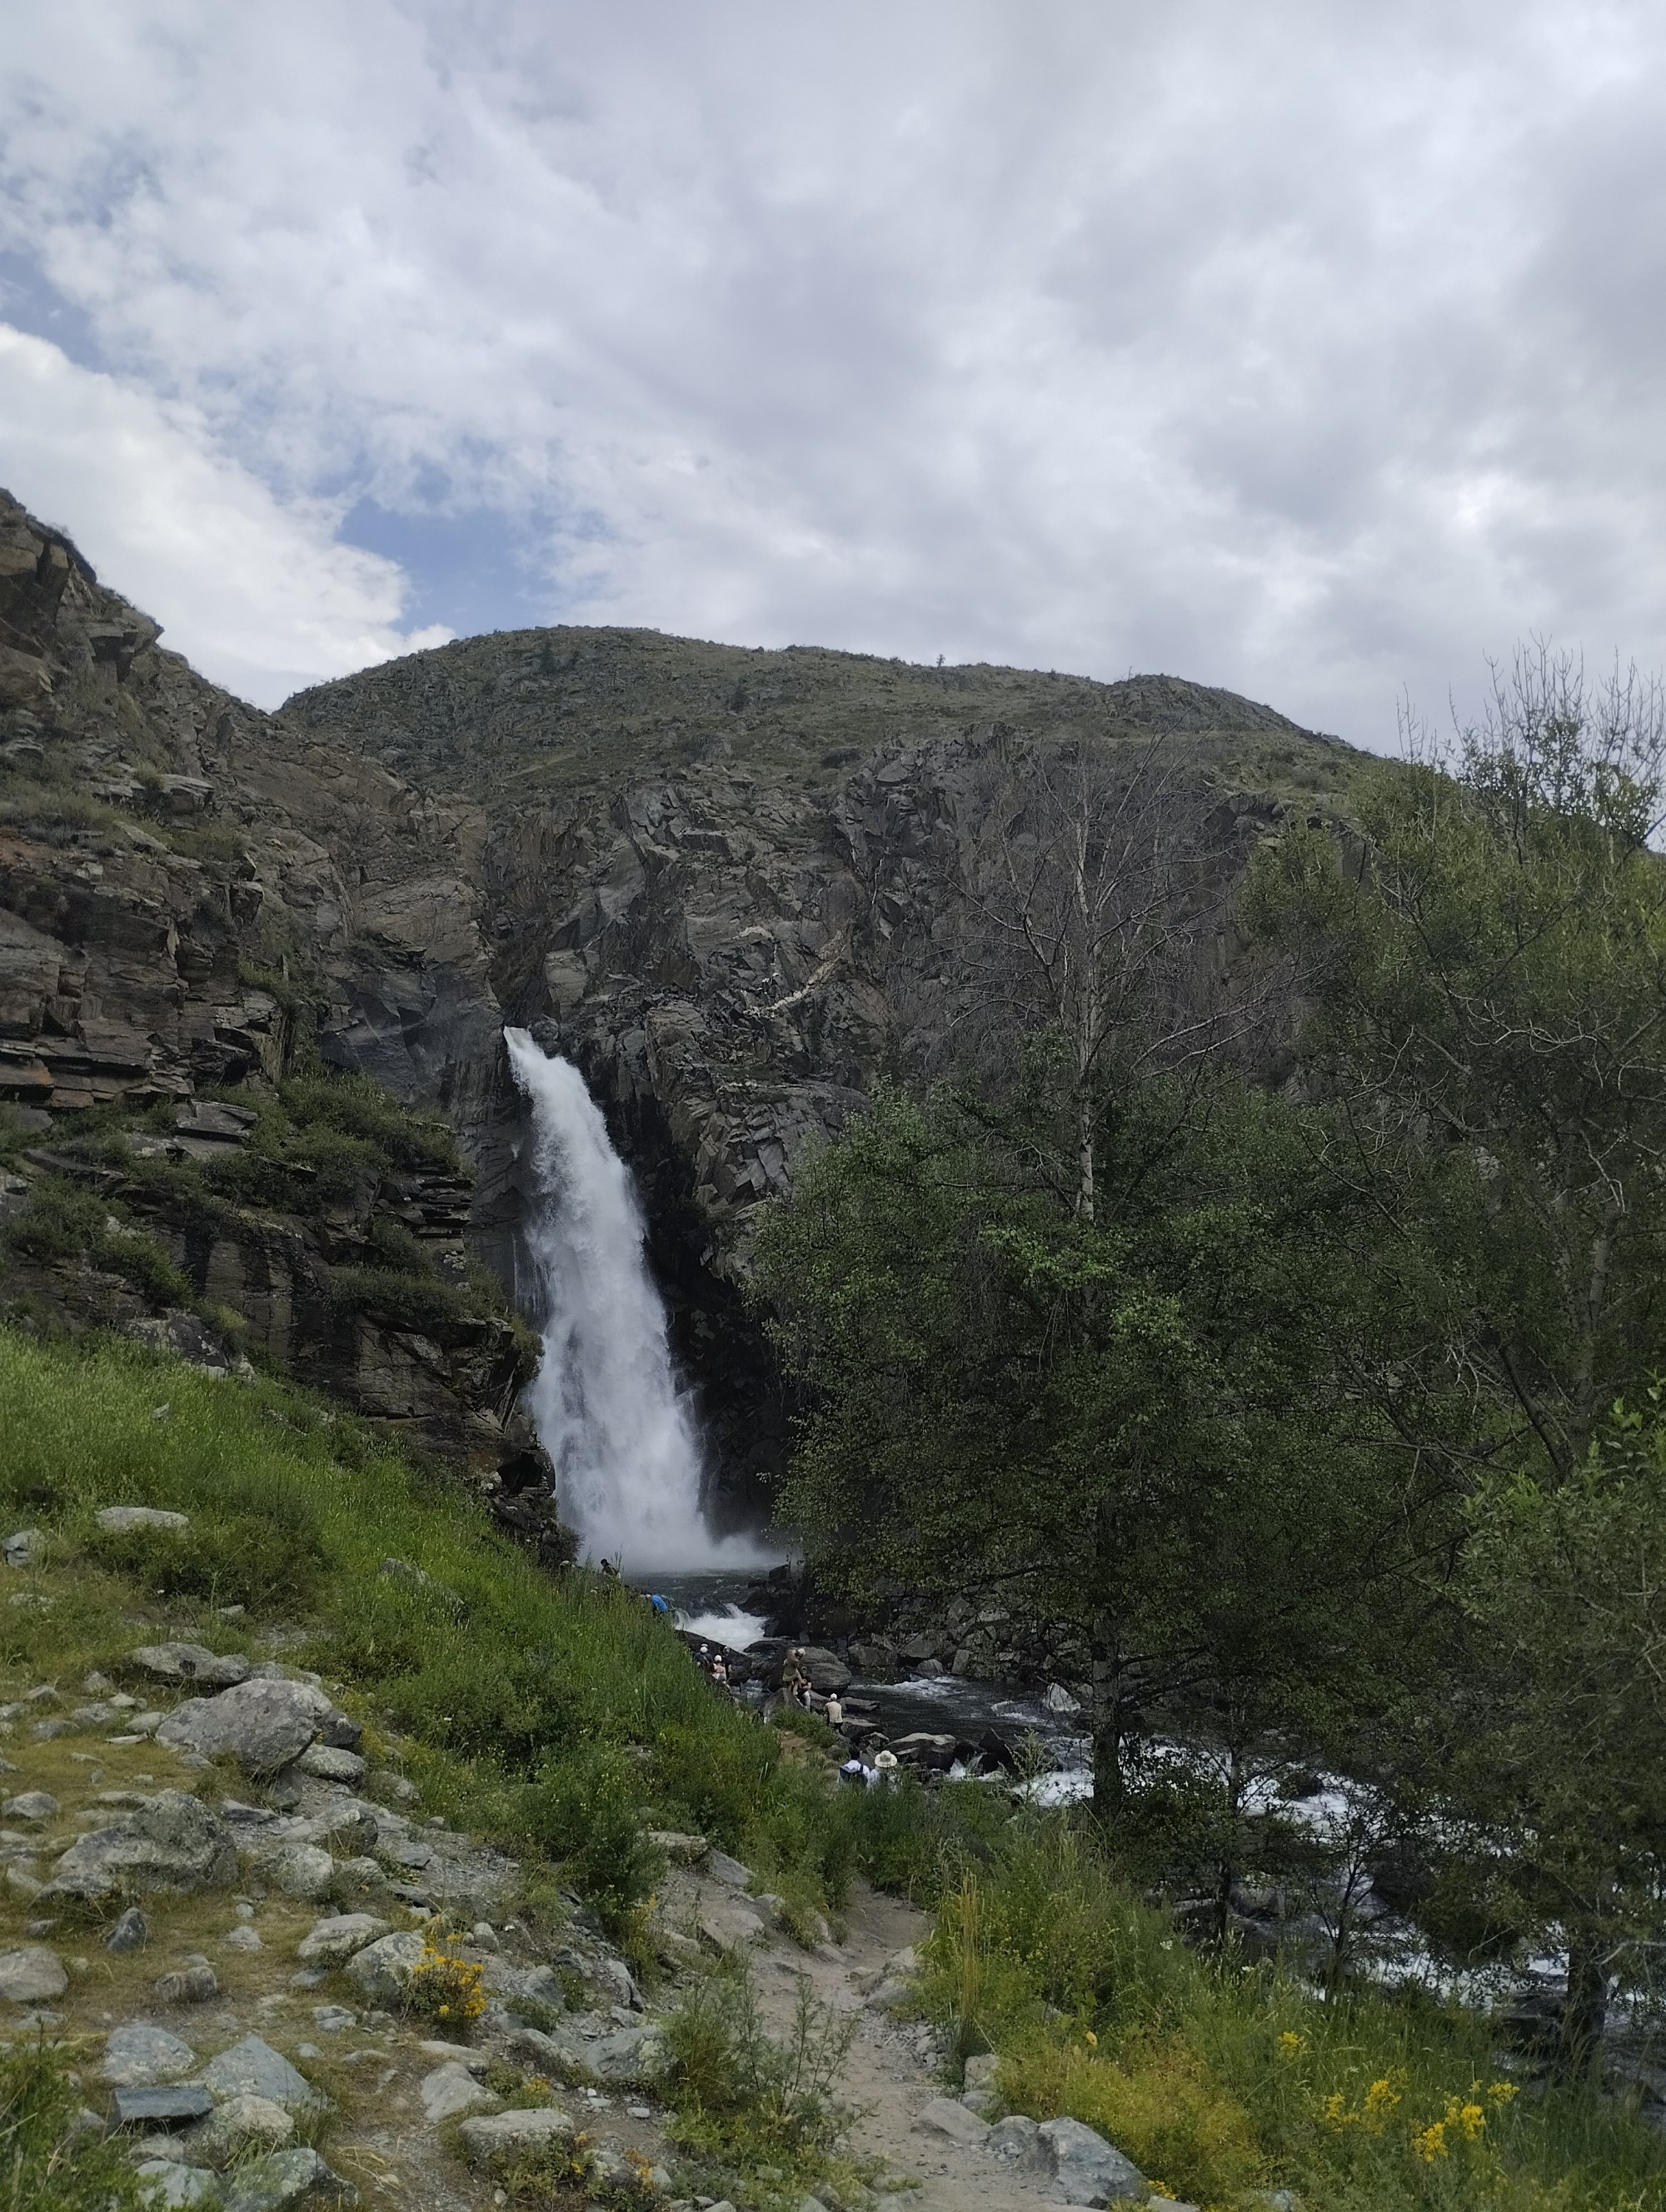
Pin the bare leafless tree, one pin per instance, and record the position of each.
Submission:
(1096, 903)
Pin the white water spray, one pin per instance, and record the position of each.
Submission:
(605, 1401)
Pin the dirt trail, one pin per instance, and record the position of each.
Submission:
(889, 2076)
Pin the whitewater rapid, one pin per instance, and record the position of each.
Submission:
(605, 1401)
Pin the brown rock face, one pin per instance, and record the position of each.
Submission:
(724, 882)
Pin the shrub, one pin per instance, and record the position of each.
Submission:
(746, 2100)
(1154, 2101)
(356, 1107)
(583, 1811)
(408, 1301)
(810, 1728)
(45, 2163)
(64, 1221)
(61, 1221)
(447, 1986)
(714, 1784)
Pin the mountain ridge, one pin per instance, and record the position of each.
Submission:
(723, 879)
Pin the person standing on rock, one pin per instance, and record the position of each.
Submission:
(793, 1682)
(834, 1711)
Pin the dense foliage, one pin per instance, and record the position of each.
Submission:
(1319, 1401)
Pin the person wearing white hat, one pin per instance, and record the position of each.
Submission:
(885, 1770)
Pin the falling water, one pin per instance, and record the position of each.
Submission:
(605, 1401)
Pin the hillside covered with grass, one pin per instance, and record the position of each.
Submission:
(556, 1718)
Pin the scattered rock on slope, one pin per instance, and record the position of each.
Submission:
(264, 1725)
(172, 1842)
(192, 1663)
(33, 1975)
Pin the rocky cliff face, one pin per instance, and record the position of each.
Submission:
(172, 924)
(724, 882)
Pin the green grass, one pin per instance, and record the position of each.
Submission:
(555, 1714)
(45, 2165)
(62, 1220)
(558, 1715)
(1221, 2079)
(753, 2114)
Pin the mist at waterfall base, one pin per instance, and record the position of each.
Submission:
(605, 1401)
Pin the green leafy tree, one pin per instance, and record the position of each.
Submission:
(1487, 981)
(1563, 1778)
(1129, 1422)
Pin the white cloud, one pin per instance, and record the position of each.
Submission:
(260, 594)
(1311, 351)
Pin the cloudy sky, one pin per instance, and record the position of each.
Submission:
(1313, 349)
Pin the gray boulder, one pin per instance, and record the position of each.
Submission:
(333, 1942)
(681, 1848)
(288, 2177)
(382, 1972)
(542, 1984)
(169, 2186)
(304, 1870)
(548, 2057)
(162, 2106)
(123, 1520)
(196, 1983)
(172, 1844)
(138, 2056)
(253, 2068)
(943, 2117)
(824, 1671)
(25, 1548)
(191, 1662)
(32, 1975)
(451, 2090)
(129, 1932)
(1087, 2169)
(498, 2135)
(242, 2124)
(1017, 2140)
(36, 1806)
(634, 2054)
(262, 1724)
(325, 1763)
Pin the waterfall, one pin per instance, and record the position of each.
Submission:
(605, 1401)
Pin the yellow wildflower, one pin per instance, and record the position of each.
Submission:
(1381, 2099)
(1431, 2144)
(1500, 2093)
(1289, 2043)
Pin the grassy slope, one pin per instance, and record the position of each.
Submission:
(1222, 2079)
(559, 1716)
(556, 1714)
